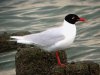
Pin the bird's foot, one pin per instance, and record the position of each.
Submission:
(62, 65)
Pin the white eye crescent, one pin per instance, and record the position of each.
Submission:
(73, 17)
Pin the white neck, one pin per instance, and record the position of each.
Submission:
(69, 29)
(65, 23)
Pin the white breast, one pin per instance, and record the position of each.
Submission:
(69, 31)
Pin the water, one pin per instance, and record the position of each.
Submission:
(38, 15)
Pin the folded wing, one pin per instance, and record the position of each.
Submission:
(44, 39)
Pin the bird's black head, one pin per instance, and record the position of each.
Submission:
(72, 18)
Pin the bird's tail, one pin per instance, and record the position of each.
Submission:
(16, 37)
(20, 39)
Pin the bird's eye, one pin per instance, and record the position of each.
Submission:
(73, 17)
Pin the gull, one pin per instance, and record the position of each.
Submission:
(53, 39)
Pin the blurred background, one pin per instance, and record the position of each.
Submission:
(38, 15)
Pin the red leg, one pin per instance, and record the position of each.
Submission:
(57, 57)
(58, 60)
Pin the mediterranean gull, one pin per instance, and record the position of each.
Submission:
(53, 39)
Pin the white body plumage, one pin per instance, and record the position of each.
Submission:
(58, 38)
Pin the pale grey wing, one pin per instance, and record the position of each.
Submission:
(46, 38)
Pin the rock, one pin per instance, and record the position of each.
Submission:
(21, 33)
(6, 45)
(34, 61)
(78, 68)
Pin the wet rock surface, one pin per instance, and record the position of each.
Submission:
(78, 68)
(34, 61)
(6, 45)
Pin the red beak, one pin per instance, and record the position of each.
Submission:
(82, 19)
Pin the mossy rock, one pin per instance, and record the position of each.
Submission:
(20, 33)
(6, 45)
(34, 61)
(78, 68)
